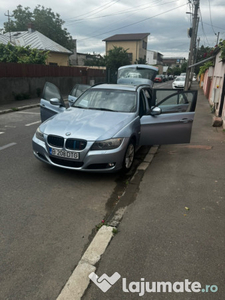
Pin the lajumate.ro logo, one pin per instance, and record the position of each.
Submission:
(141, 287)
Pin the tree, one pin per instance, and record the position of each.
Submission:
(176, 71)
(116, 58)
(44, 20)
(184, 67)
(95, 60)
(202, 53)
(25, 55)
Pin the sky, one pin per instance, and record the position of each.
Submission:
(166, 21)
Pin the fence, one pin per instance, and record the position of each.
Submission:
(17, 80)
(32, 70)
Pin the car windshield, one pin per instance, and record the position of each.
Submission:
(110, 100)
(180, 79)
(133, 72)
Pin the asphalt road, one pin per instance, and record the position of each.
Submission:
(174, 230)
(47, 215)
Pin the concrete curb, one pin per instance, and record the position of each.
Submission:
(14, 109)
(78, 282)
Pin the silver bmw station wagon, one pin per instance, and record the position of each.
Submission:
(105, 125)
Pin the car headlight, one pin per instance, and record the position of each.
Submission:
(107, 144)
(39, 134)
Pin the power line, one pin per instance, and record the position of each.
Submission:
(213, 26)
(203, 30)
(135, 22)
(122, 12)
(103, 7)
(127, 17)
(211, 17)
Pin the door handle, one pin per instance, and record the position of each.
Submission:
(185, 120)
(43, 105)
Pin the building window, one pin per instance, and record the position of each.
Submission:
(144, 45)
(53, 64)
(130, 56)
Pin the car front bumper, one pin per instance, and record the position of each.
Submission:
(178, 87)
(90, 160)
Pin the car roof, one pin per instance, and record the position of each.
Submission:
(124, 87)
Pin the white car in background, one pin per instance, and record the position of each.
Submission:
(179, 82)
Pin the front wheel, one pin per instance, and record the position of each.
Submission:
(129, 157)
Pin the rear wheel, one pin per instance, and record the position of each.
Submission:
(129, 157)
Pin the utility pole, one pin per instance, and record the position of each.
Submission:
(192, 50)
(8, 15)
(218, 35)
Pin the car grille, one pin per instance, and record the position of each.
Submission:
(72, 144)
(56, 141)
(66, 163)
(75, 144)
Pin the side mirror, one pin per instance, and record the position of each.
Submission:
(156, 111)
(55, 101)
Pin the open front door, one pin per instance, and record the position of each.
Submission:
(174, 124)
(47, 109)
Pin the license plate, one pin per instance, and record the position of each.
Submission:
(64, 153)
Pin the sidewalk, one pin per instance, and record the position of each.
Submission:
(175, 229)
(19, 105)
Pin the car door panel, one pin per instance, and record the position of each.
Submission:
(47, 110)
(174, 124)
(171, 128)
(170, 100)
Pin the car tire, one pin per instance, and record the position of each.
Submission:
(129, 156)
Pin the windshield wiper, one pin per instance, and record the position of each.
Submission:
(96, 108)
(107, 109)
(80, 107)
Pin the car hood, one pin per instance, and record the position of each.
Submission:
(87, 124)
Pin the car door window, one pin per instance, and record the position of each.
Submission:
(73, 92)
(47, 109)
(175, 101)
(173, 125)
(51, 91)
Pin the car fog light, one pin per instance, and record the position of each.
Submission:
(111, 164)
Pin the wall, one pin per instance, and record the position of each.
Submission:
(20, 80)
(213, 83)
(150, 58)
(218, 80)
(207, 84)
(142, 51)
(132, 46)
(60, 59)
